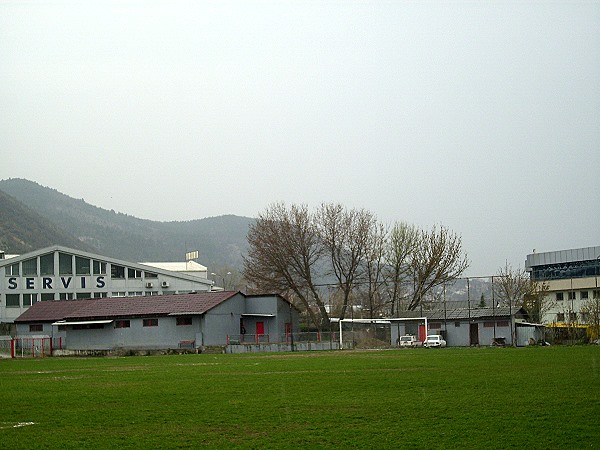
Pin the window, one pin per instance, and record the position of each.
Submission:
(150, 322)
(435, 325)
(583, 295)
(30, 266)
(457, 324)
(12, 270)
(99, 268)
(29, 299)
(150, 275)
(151, 293)
(560, 317)
(119, 294)
(488, 324)
(596, 294)
(136, 293)
(100, 294)
(89, 326)
(84, 295)
(47, 264)
(36, 327)
(184, 321)
(122, 324)
(82, 266)
(572, 295)
(12, 301)
(47, 297)
(503, 324)
(65, 264)
(134, 273)
(66, 296)
(559, 296)
(117, 271)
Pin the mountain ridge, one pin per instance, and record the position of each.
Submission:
(220, 240)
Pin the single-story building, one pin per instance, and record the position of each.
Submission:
(470, 327)
(195, 320)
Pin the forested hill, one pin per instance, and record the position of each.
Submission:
(220, 240)
(23, 230)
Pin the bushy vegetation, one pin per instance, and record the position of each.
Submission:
(544, 397)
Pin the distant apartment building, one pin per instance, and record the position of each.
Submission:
(572, 278)
(61, 273)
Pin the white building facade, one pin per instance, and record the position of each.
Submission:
(61, 273)
(572, 278)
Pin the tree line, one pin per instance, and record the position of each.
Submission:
(330, 260)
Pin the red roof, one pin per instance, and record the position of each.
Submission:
(111, 307)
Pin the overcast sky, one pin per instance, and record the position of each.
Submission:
(481, 116)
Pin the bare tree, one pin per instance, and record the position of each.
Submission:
(283, 257)
(346, 235)
(375, 265)
(403, 240)
(437, 259)
(590, 311)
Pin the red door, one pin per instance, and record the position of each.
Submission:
(260, 328)
(422, 333)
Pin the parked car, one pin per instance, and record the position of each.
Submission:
(408, 341)
(434, 340)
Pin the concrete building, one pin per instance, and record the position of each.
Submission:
(572, 280)
(60, 273)
(160, 322)
(469, 327)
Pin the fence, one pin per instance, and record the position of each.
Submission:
(31, 347)
(286, 338)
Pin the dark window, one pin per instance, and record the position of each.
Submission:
(30, 266)
(99, 268)
(84, 295)
(12, 270)
(572, 295)
(134, 273)
(36, 327)
(560, 296)
(596, 294)
(435, 325)
(82, 266)
(150, 322)
(488, 324)
(457, 324)
(122, 324)
(560, 317)
(150, 275)
(47, 264)
(65, 264)
(66, 296)
(12, 301)
(47, 297)
(100, 294)
(583, 295)
(88, 326)
(117, 271)
(503, 323)
(184, 321)
(29, 299)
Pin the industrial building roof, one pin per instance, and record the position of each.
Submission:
(114, 307)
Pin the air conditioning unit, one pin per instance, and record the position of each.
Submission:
(149, 285)
(165, 284)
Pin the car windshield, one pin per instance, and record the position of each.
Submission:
(406, 338)
(433, 338)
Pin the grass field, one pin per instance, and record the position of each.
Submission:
(544, 397)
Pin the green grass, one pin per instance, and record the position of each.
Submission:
(451, 398)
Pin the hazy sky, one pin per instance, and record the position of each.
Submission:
(481, 116)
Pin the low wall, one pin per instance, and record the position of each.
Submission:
(281, 347)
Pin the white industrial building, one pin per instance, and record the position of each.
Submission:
(572, 280)
(61, 273)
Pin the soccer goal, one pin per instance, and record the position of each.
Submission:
(380, 333)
